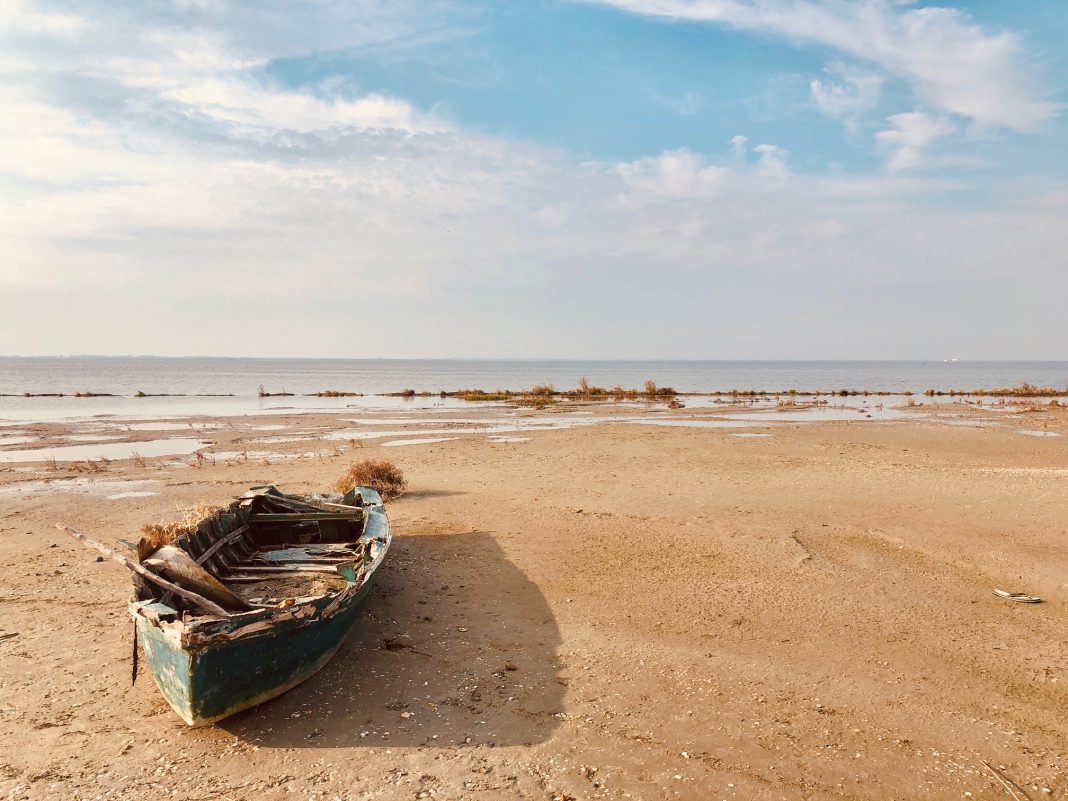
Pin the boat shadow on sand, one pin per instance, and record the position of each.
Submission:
(455, 646)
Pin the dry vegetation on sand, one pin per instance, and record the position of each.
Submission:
(379, 474)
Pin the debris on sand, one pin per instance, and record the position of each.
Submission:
(1020, 597)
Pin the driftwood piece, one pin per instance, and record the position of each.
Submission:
(182, 569)
(203, 603)
(1004, 783)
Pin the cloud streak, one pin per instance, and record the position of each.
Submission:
(951, 63)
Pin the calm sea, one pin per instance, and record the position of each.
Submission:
(240, 377)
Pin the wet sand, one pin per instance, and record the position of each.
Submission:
(692, 614)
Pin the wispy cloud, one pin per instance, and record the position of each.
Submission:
(847, 93)
(951, 63)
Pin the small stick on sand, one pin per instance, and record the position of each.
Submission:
(198, 600)
(1000, 778)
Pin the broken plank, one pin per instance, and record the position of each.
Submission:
(221, 543)
(292, 517)
(270, 570)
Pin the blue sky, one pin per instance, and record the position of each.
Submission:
(616, 85)
(625, 178)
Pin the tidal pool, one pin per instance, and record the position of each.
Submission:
(179, 446)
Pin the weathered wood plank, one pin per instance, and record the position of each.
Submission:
(237, 533)
(294, 517)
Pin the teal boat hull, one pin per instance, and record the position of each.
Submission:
(210, 668)
(206, 684)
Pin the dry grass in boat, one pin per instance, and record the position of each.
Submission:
(156, 535)
(379, 474)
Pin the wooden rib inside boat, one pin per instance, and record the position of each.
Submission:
(293, 570)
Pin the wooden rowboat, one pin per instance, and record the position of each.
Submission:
(302, 564)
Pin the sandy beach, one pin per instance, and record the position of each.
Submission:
(698, 605)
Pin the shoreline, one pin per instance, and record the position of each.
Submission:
(595, 393)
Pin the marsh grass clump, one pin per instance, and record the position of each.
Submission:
(480, 395)
(138, 459)
(263, 393)
(544, 390)
(653, 391)
(379, 474)
(1023, 390)
(534, 401)
(586, 390)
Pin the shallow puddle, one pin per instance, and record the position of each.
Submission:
(109, 488)
(419, 441)
(118, 496)
(823, 414)
(507, 439)
(1032, 433)
(682, 422)
(6, 441)
(961, 421)
(115, 450)
(297, 437)
(749, 434)
(248, 456)
(353, 433)
(167, 426)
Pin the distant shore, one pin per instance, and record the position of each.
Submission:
(583, 393)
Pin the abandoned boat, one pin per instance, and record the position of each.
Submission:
(293, 571)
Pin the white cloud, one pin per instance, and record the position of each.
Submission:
(849, 93)
(909, 136)
(738, 145)
(676, 174)
(951, 63)
(772, 162)
(261, 110)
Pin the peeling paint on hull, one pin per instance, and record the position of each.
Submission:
(213, 682)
